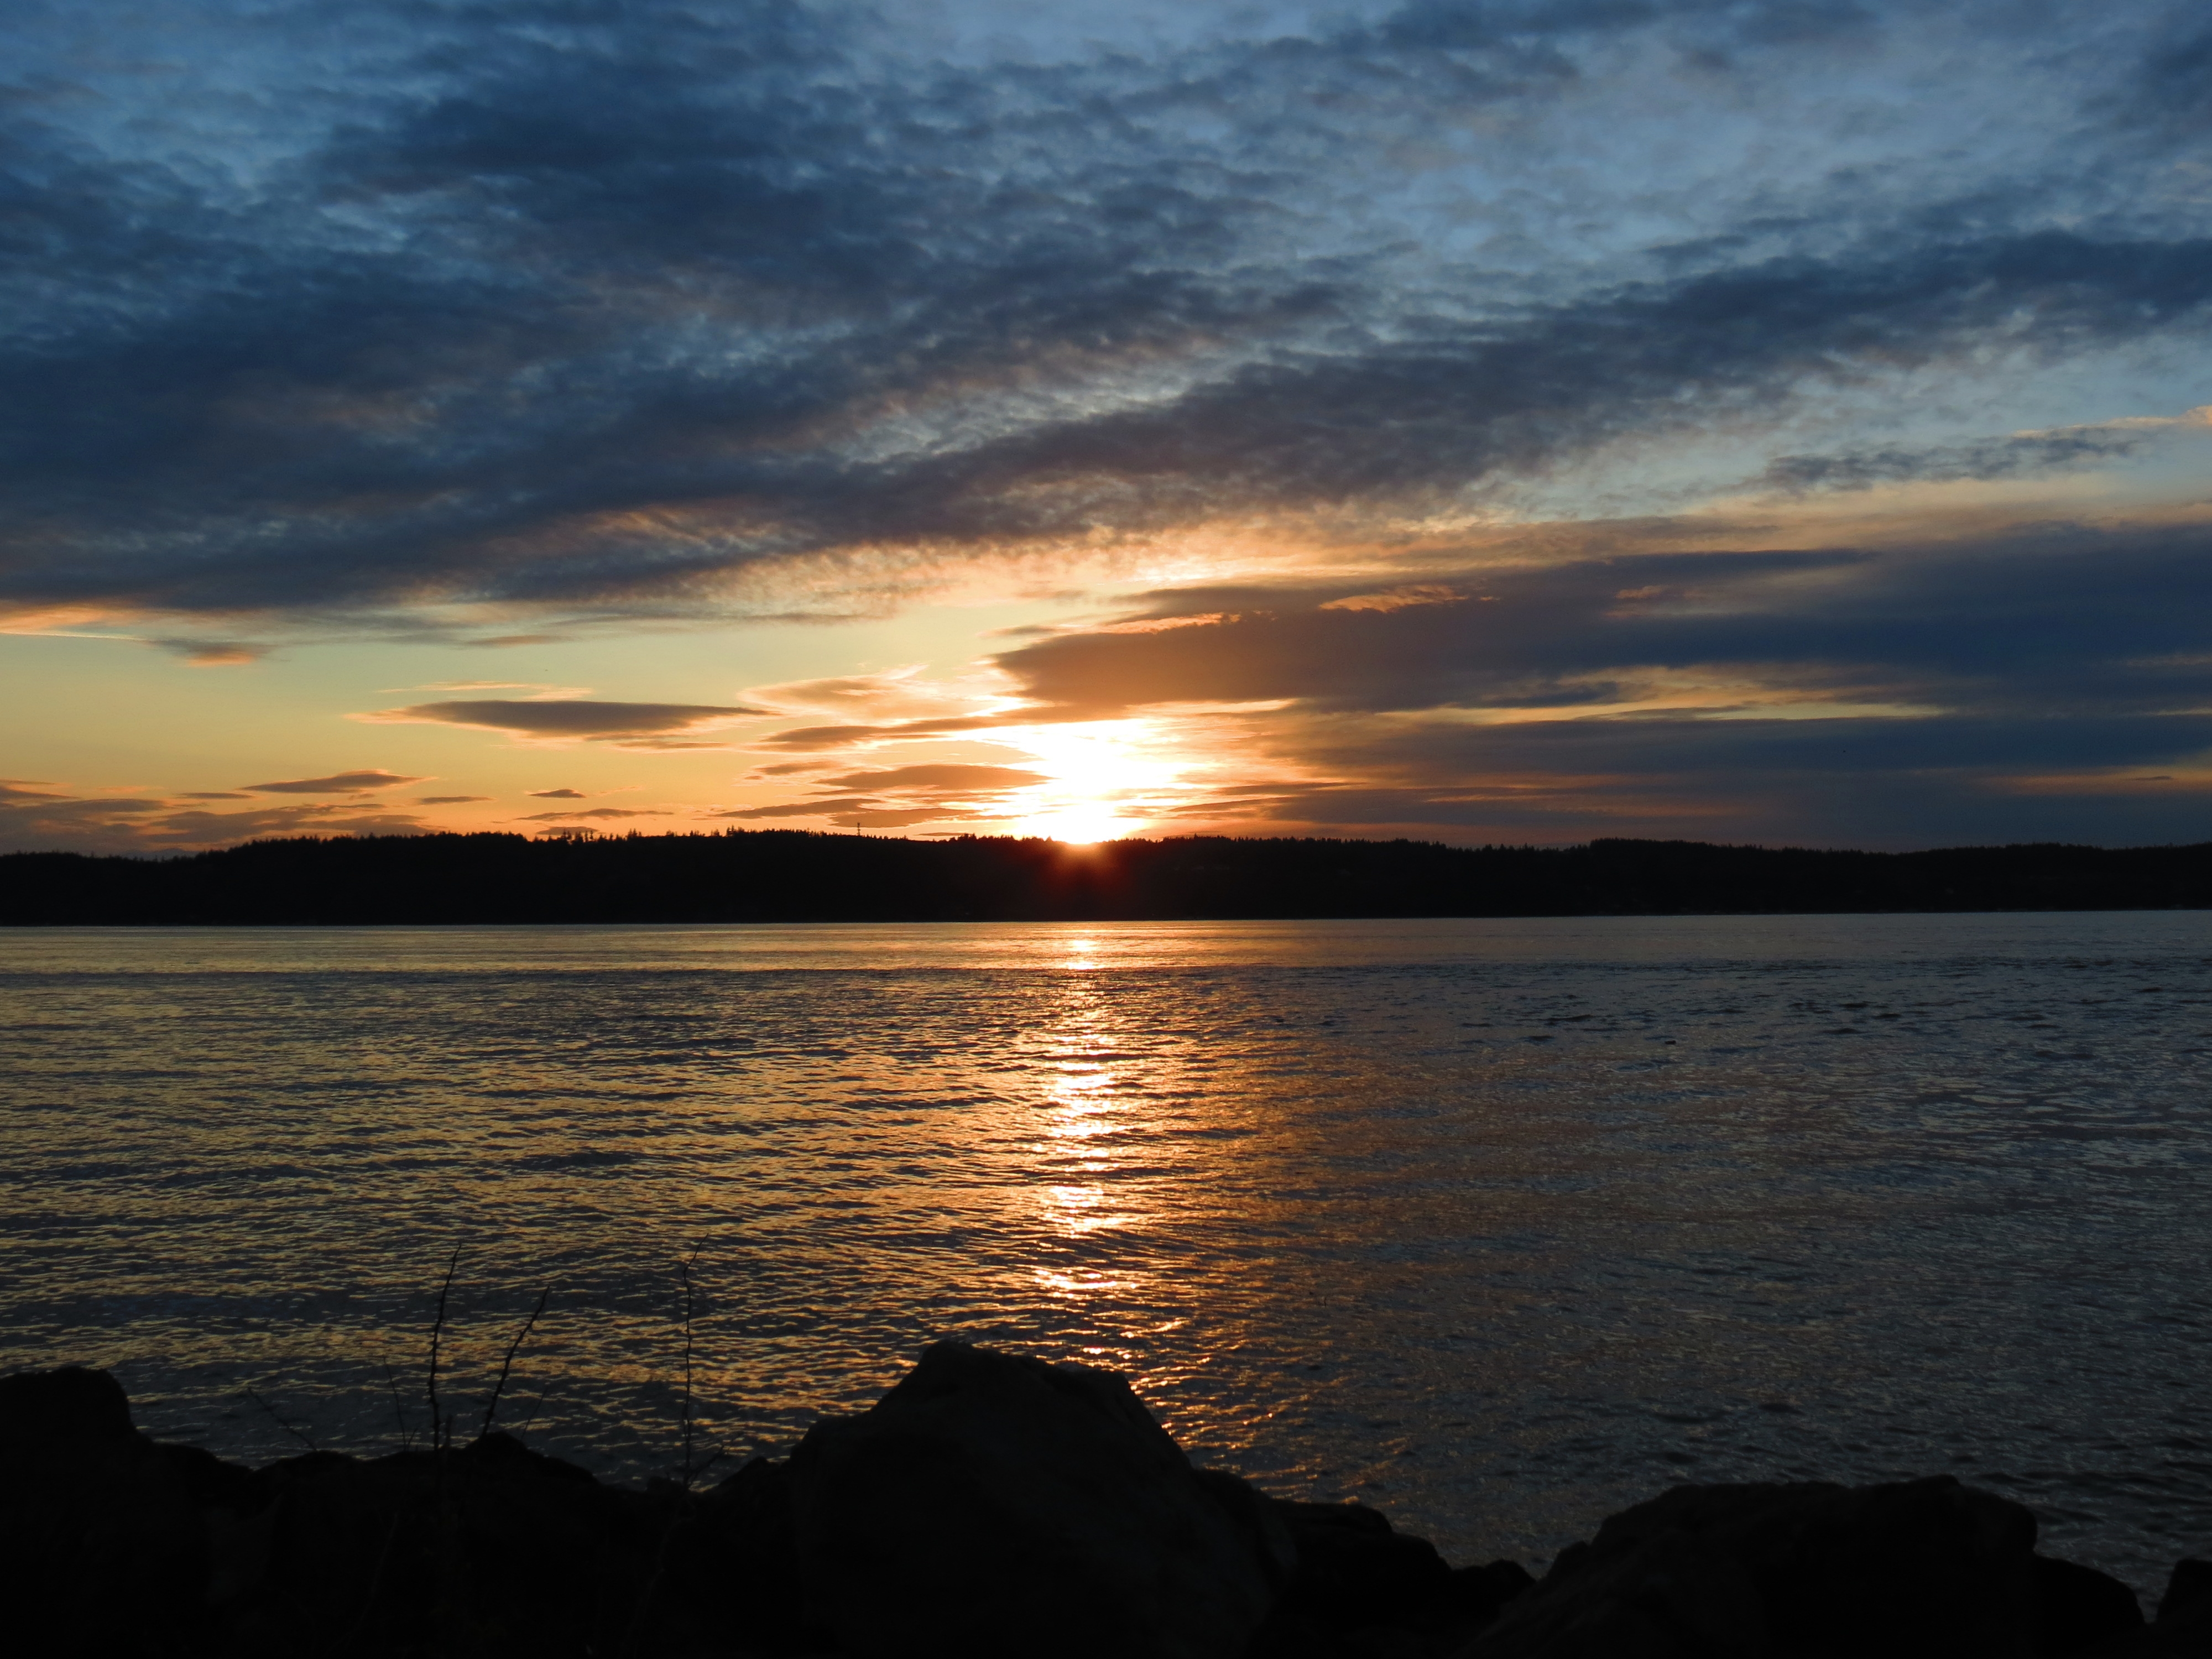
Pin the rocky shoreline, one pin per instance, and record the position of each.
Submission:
(989, 1504)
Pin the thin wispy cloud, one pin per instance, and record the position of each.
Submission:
(630, 725)
(596, 813)
(338, 783)
(2020, 454)
(216, 654)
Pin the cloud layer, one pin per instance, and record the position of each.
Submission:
(36, 817)
(2052, 681)
(653, 310)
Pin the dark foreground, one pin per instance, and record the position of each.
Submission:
(988, 1505)
(790, 875)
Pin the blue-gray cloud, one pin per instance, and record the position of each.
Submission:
(600, 307)
(2048, 683)
(2059, 621)
(2171, 90)
(2023, 455)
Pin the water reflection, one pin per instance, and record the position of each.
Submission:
(1086, 1199)
(1323, 1191)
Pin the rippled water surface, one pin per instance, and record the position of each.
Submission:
(1500, 1225)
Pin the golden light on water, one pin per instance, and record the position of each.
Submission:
(1336, 1225)
(1086, 1122)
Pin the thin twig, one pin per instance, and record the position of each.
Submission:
(298, 1434)
(491, 1406)
(683, 1272)
(437, 1331)
(399, 1412)
(642, 1616)
(375, 1583)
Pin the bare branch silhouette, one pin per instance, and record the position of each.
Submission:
(438, 1435)
(491, 1406)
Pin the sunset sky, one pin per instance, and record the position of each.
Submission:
(1522, 422)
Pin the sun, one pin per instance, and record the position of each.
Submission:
(1094, 770)
(1079, 825)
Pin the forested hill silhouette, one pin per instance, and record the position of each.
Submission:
(788, 875)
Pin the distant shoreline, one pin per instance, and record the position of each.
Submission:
(786, 876)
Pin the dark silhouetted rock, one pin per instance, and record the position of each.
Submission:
(72, 1409)
(988, 1505)
(98, 1531)
(2188, 1589)
(1919, 1568)
(210, 1483)
(1483, 1593)
(493, 1549)
(2078, 1609)
(2183, 1629)
(737, 1557)
(1354, 1570)
(1361, 1586)
(992, 1504)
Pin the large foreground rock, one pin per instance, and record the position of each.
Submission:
(993, 1505)
(97, 1525)
(114, 1545)
(1365, 1588)
(1810, 1570)
(2183, 1628)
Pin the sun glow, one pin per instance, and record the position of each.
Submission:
(1080, 826)
(1099, 774)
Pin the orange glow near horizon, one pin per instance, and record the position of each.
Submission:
(1094, 770)
(1078, 827)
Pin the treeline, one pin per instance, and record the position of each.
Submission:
(788, 875)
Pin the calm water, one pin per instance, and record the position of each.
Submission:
(1500, 1225)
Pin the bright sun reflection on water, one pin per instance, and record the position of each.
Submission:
(1089, 1118)
(1082, 1196)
